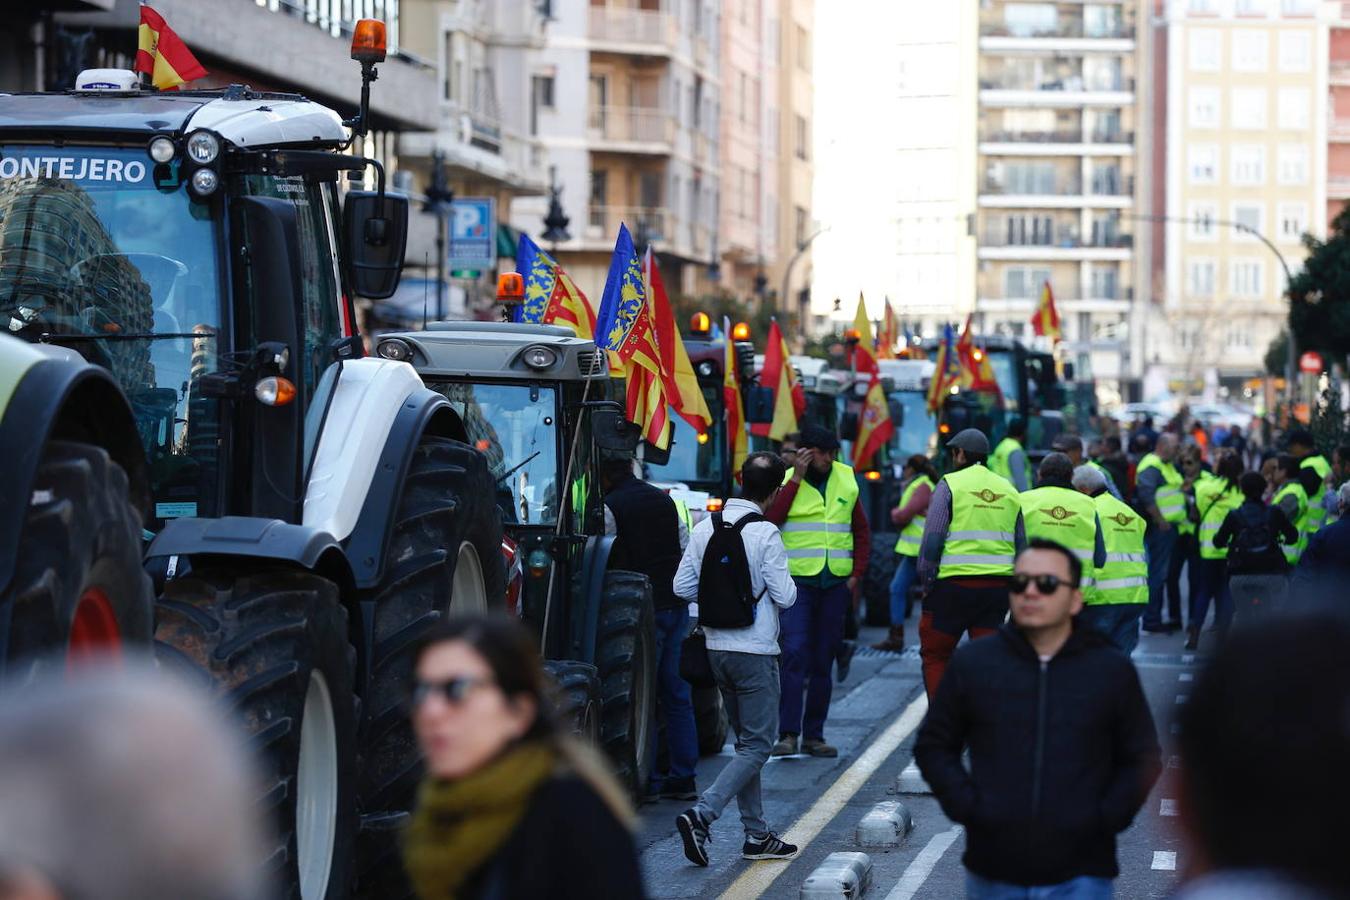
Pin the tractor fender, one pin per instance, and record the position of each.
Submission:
(370, 398)
(52, 393)
(585, 613)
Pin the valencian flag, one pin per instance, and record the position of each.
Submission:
(977, 373)
(890, 333)
(679, 380)
(551, 298)
(789, 400)
(737, 441)
(864, 354)
(946, 370)
(623, 325)
(162, 54)
(875, 427)
(1045, 321)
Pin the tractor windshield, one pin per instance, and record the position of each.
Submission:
(514, 426)
(917, 426)
(696, 461)
(103, 252)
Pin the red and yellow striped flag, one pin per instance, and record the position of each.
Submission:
(737, 440)
(1045, 321)
(681, 384)
(162, 54)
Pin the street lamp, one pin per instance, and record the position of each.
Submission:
(555, 222)
(787, 271)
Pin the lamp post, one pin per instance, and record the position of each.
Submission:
(555, 221)
(787, 270)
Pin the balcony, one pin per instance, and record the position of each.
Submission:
(1103, 192)
(1064, 92)
(636, 31)
(1339, 74)
(1074, 84)
(702, 146)
(645, 222)
(1070, 28)
(1066, 142)
(1338, 187)
(1338, 130)
(1068, 247)
(632, 129)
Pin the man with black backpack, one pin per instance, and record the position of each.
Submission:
(1257, 568)
(734, 574)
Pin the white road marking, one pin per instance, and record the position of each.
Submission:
(1165, 860)
(919, 870)
(1167, 807)
(755, 880)
(1186, 676)
(1188, 658)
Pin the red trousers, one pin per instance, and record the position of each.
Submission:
(936, 649)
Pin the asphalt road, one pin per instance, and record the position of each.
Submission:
(817, 803)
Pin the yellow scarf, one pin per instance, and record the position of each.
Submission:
(459, 825)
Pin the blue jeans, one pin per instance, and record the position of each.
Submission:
(1158, 546)
(1082, 888)
(1118, 621)
(1213, 586)
(810, 632)
(674, 708)
(905, 573)
(749, 686)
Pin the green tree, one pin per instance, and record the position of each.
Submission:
(1319, 294)
(1277, 354)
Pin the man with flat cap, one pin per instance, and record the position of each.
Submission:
(970, 538)
(827, 539)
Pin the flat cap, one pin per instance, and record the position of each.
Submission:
(972, 440)
(818, 438)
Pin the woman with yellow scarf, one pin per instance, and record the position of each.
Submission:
(511, 807)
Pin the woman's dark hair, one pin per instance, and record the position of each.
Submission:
(922, 465)
(510, 652)
(1288, 465)
(1253, 486)
(1229, 469)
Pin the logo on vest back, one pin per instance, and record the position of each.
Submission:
(987, 495)
(1122, 519)
(1059, 513)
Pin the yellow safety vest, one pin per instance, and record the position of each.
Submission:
(1293, 552)
(1215, 498)
(982, 537)
(1064, 516)
(1124, 576)
(682, 510)
(1000, 463)
(912, 534)
(819, 530)
(1170, 498)
(1317, 513)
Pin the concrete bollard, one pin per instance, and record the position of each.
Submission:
(885, 825)
(842, 876)
(910, 781)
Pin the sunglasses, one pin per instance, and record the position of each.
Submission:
(1045, 584)
(452, 690)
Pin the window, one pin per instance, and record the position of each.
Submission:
(1245, 277)
(541, 97)
(1024, 283)
(452, 65)
(1200, 277)
(1204, 107)
(1297, 7)
(803, 49)
(1292, 164)
(1201, 218)
(1250, 7)
(1293, 221)
(1030, 19)
(1248, 217)
(599, 196)
(1187, 337)
(1295, 51)
(1249, 108)
(1203, 163)
(1293, 108)
(1250, 47)
(1249, 164)
(1237, 336)
(1204, 47)
(801, 222)
(803, 137)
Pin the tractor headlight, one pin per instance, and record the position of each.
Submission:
(162, 149)
(205, 182)
(706, 369)
(539, 357)
(394, 349)
(203, 147)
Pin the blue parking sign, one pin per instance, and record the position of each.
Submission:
(473, 233)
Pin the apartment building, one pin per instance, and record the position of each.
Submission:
(793, 146)
(1060, 106)
(748, 220)
(1338, 102)
(1247, 163)
(626, 100)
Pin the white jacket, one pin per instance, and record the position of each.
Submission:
(769, 580)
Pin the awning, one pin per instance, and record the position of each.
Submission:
(508, 239)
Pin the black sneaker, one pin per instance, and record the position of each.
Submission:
(694, 832)
(679, 789)
(769, 848)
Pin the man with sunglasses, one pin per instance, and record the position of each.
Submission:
(1063, 750)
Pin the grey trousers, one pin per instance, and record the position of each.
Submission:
(750, 690)
(1257, 595)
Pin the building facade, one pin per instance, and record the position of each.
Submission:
(790, 274)
(1247, 164)
(1338, 108)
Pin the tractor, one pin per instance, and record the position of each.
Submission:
(536, 400)
(310, 511)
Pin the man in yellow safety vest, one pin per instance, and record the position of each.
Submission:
(1314, 479)
(1057, 512)
(1010, 456)
(827, 539)
(1160, 497)
(1116, 598)
(971, 535)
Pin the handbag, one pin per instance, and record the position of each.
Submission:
(694, 665)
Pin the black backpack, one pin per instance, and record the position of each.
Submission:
(1254, 545)
(725, 597)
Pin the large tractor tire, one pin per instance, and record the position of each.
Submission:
(876, 587)
(78, 590)
(625, 655)
(711, 718)
(444, 558)
(576, 698)
(275, 644)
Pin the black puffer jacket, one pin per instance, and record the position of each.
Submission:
(1062, 755)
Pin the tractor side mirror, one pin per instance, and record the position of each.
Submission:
(612, 431)
(1068, 371)
(375, 232)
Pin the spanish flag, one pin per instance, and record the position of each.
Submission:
(163, 55)
(890, 334)
(737, 441)
(864, 352)
(677, 373)
(946, 371)
(875, 426)
(789, 400)
(1045, 321)
(977, 373)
